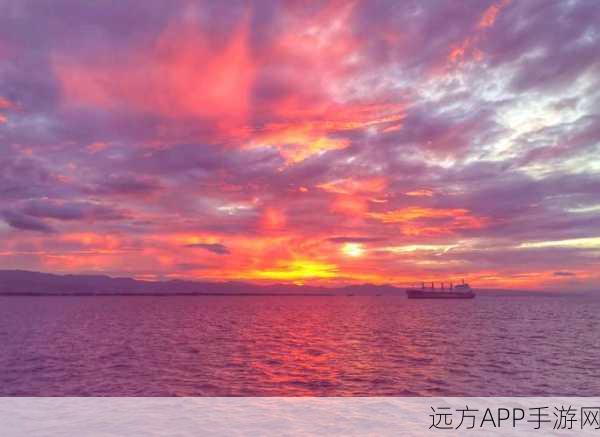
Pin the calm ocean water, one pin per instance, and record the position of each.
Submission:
(296, 346)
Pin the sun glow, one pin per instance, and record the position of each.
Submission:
(354, 250)
(298, 270)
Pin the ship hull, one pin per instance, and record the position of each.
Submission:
(424, 294)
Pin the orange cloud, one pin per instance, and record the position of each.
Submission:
(273, 219)
(355, 186)
(353, 206)
(414, 220)
(321, 104)
(180, 76)
(308, 126)
(467, 48)
(489, 16)
(5, 103)
(353, 195)
(420, 193)
(96, 241)
(96, 147)
(298, 142)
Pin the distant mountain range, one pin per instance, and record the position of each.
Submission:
(27, 283)
(20, 282)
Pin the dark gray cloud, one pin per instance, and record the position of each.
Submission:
(124, 184)
(71, 210)
(564, 274)
(25, 223)
(217, 248)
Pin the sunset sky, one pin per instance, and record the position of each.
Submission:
(308, 142)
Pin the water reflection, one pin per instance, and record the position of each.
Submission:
(298, 346)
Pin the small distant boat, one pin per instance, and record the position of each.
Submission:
(460, 291)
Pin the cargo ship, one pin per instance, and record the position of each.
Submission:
(460, 291)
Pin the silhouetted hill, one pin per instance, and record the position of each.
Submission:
(22, 282)
(35, 283)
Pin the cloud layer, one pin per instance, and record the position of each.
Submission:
(331, 142)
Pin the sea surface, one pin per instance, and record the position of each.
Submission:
(299, 346)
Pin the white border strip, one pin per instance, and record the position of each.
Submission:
(292, 416)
